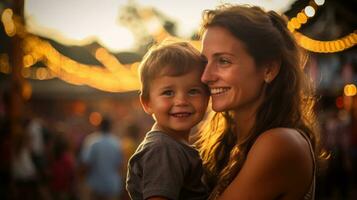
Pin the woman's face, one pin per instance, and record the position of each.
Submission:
(234, 80)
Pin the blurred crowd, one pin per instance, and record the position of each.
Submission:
(338, 179)
(53, 161)
(46, 164)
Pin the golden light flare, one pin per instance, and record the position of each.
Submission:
(7, 20)
(350, 90)
(28, 60)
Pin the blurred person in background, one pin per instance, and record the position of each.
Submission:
(62, 169)
(339, 169)
(24, 173)
(103, 159)
(130, 141)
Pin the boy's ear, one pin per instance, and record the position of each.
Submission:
(271, 70)
(145, 103)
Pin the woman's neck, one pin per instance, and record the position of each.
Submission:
(244, 118)
(244, 124)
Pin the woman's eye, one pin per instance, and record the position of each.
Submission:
(224, 61)
(167, 93)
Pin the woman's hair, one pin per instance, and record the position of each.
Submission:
(169, 58)
(288, 100)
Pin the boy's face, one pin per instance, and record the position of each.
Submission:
(177, 102)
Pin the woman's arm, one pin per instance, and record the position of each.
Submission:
(278, 164)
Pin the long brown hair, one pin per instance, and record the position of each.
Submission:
(288, 100)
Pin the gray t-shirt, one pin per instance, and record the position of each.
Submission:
(163, 166)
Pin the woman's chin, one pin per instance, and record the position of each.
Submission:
(218, 108)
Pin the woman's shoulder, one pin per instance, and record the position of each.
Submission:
(287, 151)
(277, 164)
(290, 135)
(285, 143)
(280, 156)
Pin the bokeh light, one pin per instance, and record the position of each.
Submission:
(309, 11)
(95, 118)
(350, 90)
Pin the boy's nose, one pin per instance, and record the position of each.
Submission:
(181, 100)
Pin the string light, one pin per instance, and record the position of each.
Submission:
(350, 90)
(41, 73)
(28, 60)
(319, 2)
(326, 46)
(6, 18)
(79, 74)
(302, 18)
(309, 11)
(315, 45)
(26, 72)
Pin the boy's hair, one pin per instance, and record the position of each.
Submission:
(169, 58)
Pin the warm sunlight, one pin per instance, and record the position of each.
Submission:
(78, 22)
(81, 22)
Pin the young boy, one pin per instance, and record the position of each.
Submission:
(164, 165)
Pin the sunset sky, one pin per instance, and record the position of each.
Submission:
(81, 22)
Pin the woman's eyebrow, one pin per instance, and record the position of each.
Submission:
(222, 53)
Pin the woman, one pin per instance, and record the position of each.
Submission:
(261, 141)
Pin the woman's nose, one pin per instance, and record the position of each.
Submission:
(207, 75)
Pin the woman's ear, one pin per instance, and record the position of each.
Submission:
(271, 70)
(145, 103)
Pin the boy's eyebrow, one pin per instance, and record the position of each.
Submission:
(166, 87)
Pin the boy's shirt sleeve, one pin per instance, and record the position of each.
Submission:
(164, 168)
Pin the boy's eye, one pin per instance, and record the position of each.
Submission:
(168, 93)
(194, 91)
